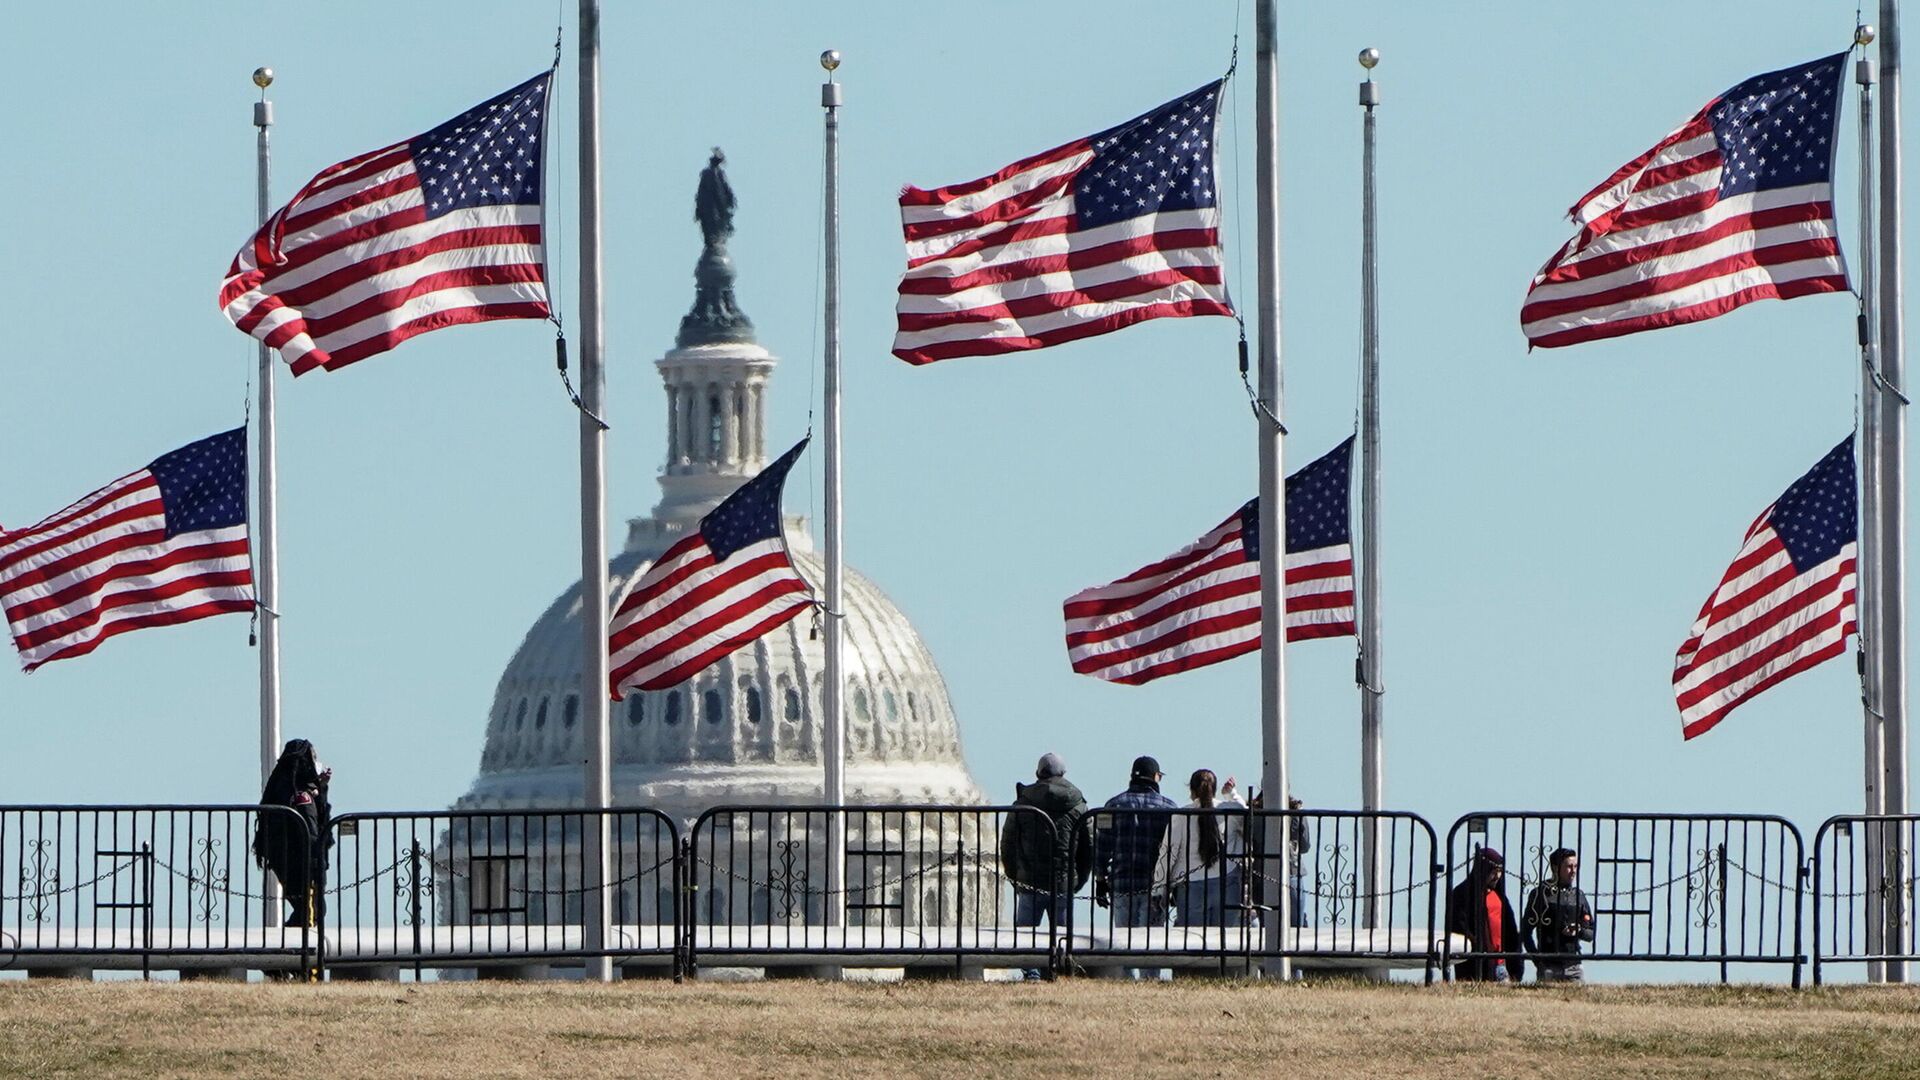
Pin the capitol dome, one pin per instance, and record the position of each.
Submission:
(746, 730)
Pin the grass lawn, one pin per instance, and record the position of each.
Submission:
(1191, 1028)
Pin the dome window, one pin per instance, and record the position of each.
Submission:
(540, 717)
(710, 706)
(520, 718)
(913, 707)
(753, 705)
(570, 714)
(793, 705)
(716, 428)
(860, 707)
(893, 708)
(636, 710)
(673, 709)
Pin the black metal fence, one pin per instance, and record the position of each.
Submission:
(174, 887)
(1356, 888)
(1865, 891)
(1725, 889)
(180, 887)
(916, 883)
(483, 888)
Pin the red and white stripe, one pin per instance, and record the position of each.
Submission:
(353, 265)
(1200, 606)
(104, 566)
(1765, 623)
(688, 611)
(998, 265)
(1659, 247)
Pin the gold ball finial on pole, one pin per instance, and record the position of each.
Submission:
(830, 59)
(1863, 34)
(263, 77)
(1368, 57)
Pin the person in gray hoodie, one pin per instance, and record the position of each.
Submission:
(1047, 859)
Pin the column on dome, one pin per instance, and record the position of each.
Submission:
(730, 426)
(673, 423)
(742, 430)
(759, 409)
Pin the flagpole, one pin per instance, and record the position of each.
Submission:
(594, 697)
(1892, 546)
(1868, 600)
(1273, 503)
(833, 722)
(266, 527)
(1372, 704)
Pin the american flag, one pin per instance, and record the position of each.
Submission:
(439, 230)
(162, 546)
(1201, 605)
(1786, 603)
(721, 586)
(1089, 237)
(1735, 206)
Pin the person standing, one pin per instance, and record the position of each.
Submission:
(1558, 919)
(1047, 859)
(295, 853)
(1477, 909)
(1126, 845)
(1200, 858)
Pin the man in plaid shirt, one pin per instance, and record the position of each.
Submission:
(1125, 847)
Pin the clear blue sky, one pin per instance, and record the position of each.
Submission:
(1552, 521)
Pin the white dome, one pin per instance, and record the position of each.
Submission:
(746, 730)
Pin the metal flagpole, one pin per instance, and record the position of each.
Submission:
(1868, 602)
(1273, 501)
(1892, 549)
(1372, 705)
(594, 695)
(266, 527)
(833, 723)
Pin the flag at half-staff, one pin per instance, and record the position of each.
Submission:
(1735, 206)
(1786, 603)
(721, 586)
(1201, 605)
(1080, 240)
(440, 230)
(158, 547)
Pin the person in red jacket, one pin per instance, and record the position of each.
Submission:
(1477, 909)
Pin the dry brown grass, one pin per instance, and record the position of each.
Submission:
(946, 1030)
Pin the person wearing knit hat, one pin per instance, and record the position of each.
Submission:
(1478, 911)
(1047, 855)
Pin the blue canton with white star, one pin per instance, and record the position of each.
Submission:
(1817, 517)
(486, 156)
(1778, 130)
(1153, 163)
(751, 514)
(204, 485)
(1317, 506)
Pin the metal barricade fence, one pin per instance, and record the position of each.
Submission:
(471, 888)
(1195, 887)
(148, 886)
(1865, 890)
(921, 884)
(1710, 888)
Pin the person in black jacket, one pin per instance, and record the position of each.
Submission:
(1477, 909)
(294, 853)
(1046, 859)
(1558, 919)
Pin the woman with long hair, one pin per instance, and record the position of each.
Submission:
(1201, 856)
(295, 853)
